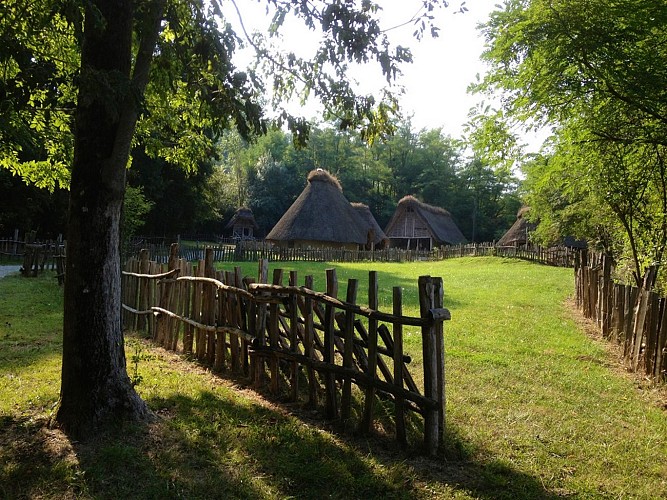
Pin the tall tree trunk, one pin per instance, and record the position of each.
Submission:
(95, 386)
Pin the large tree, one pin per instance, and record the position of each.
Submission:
(160, 73)
(596, 73)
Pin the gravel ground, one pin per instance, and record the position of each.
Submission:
(5, 270)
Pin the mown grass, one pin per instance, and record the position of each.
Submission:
(536, 408)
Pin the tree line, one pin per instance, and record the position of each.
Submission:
(268, 174)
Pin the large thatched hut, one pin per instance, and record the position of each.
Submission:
(242, 224)
(320, 217)
(416, 225)
(375, 235)
(518, 234)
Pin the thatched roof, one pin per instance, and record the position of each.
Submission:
(439, 221)
(518, 233)
(243, 216)
(321, 213)
(365, 212)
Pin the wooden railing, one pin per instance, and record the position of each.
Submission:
(634, 317)
(253, 251)
(310, 345)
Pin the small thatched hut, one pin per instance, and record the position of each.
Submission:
(242, 224)
(375, 235)
(320, 217)
(416, 225)
(518, 234)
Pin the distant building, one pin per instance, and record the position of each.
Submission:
(376, 237)
(518, 234)
(416, 225)
(243, 224)
(322, 217)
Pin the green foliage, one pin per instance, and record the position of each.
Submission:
(38, 64)
(595, 72)
(135, 208)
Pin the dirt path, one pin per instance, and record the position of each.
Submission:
(5, 270)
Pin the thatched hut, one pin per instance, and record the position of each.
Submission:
(242, 224)
(416, 225)
(375, 235)
(518, 234)
(320, 217)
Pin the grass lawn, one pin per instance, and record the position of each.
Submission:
(536, 408)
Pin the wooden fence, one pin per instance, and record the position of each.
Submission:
(310, 345)
(36, 255)
(635, 318)
(253, 251)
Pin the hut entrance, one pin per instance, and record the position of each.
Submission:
(413, 243)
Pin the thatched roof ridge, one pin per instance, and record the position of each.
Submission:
(321, 213)
(522, 211)
(243, 215)
(410, 200)
(321, 175)
(372, 224)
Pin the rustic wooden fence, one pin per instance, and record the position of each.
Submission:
(310, 345)
(253, 251)
(634, 317)
(36, 255)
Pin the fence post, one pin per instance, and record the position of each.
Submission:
(294, 336)
(348, 350)
(369, 401)
(401, 437)
(331, 409)
(164, 328)
(430, 360)
(309, 343)
(143, 289)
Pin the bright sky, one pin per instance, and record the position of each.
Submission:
(436, 82)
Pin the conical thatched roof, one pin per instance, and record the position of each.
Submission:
(439, 221)
(378, 234)
(243, 216)
(518, 234)
(321, 213)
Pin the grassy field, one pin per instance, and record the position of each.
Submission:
(536, 408)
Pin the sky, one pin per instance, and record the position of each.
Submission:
(442, 69)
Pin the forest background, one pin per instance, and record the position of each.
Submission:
(268, 174)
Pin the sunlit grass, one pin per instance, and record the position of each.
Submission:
(535, 408)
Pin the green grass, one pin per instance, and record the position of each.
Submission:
(535, 408)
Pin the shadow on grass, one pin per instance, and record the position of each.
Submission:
(212, 446)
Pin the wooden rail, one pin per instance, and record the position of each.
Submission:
(292, 340)
(253, 251)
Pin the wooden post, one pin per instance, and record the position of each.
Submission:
(163, 328)
(426, 303)
(348, 350)
(294, 337)
(331, 409)
(197, 299)
(209, 305)
(186, 306)
(369, 399)
(222, 319)
(661, 346)
(401, 436)
(143, 289)
(309, 343)
(438, 296)
(274, 333)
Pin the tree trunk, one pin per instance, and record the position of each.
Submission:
(96, 389)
